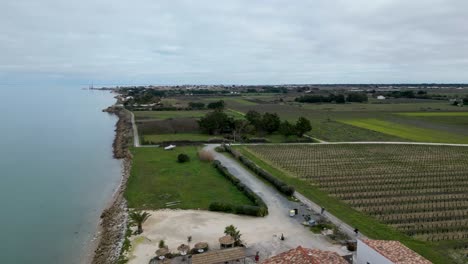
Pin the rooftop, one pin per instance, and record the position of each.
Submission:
(396, 252)
(219, 256)
(302, 255)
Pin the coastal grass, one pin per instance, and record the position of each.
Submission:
(433, 251)
(408, 132)
(157, 179)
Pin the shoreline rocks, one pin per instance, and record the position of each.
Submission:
(114, 219)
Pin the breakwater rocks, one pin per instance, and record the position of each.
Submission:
(114, 219)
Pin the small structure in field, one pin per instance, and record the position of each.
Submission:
(380, 97)
(161, 253)
(183, 249)
(226, 241)
(170, 147)
(201, 247)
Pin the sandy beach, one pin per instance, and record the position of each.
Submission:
(258, 233)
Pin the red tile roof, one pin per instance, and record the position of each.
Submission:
(302, 255)
(396, 252)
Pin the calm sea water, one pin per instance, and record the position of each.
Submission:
(56, 171)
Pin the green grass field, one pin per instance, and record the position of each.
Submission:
(436, 114)
(371, 227)
(409, 132)
(168, 114)
(178, 137)
(157, 178)
(179, 114)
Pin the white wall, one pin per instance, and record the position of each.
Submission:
(366, 254)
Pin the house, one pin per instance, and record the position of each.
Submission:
(302, 255)
(380, 97)
(386, 252)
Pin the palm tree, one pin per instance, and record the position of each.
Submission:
(234, 233)
(139, 218)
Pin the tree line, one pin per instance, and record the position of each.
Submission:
(333, 98)
(218, 122)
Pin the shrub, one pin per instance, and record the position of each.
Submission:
(259, 210)
(220, 207)
(279, 185)
(183, 158)
(204, 155)
(162, 244)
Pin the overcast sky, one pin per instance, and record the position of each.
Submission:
(233, 42)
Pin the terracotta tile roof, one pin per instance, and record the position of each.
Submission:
(219, 256)
(396, 252)
(302, 255)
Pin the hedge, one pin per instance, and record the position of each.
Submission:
(260, 208)
(279, 184)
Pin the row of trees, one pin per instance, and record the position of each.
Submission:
(218, 122)
(218, 105)
(336, 98)
(270, 123)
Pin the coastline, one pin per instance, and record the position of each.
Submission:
(107, 243)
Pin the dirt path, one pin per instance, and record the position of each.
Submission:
(136, 139)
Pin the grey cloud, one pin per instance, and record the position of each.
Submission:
(244, 41)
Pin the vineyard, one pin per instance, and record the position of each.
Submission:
(420, 190)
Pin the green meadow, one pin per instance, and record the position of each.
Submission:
(157, 178)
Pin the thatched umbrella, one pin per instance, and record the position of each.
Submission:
(201, 246)
(183, 249)
(226, 241)
(162, 252)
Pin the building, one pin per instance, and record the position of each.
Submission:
(386, 252)
(380, 97)
(302, 255)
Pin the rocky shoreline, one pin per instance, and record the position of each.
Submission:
(114, 219)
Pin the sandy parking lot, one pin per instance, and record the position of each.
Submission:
(259, 234)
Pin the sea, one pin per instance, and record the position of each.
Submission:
(57, 172)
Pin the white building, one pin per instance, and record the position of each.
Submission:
(386, 252)
(380, 97)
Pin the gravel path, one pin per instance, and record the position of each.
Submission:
(278, 205)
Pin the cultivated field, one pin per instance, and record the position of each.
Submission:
(421, 191)
(407, 131)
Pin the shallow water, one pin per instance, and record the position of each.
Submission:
(56, 171)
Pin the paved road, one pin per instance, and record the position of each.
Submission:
(278, 205)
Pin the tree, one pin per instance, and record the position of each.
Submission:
(240, 127)
(357, 97)
(287, 129)
(215, 122)
(255, 118)
(138, 218)
(196, 105)
(302, 126)
(234, 233)
(340, 99)
(218, 105)
(270, 122)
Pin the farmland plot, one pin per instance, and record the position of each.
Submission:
(420, 190)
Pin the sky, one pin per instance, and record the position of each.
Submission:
(233, 42)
